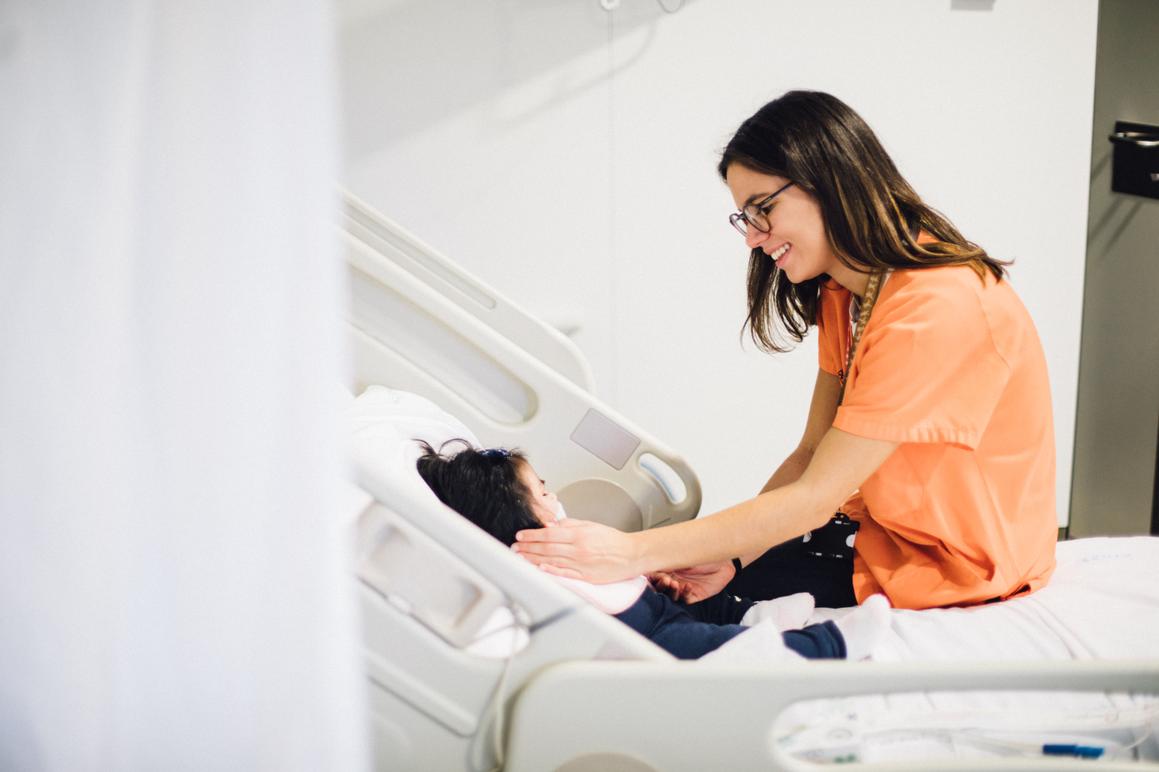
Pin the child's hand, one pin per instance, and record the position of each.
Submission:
(666, 583)
(694, 583)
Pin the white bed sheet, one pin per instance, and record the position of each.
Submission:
(1101, 603)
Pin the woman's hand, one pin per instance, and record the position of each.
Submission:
(580, 549)
(695, 583)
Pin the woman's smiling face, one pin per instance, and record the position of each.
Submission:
(796, 240)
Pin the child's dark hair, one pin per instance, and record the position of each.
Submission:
(482, 486)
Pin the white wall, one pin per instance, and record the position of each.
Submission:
(566, 155)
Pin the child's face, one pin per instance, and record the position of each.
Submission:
(543, 501)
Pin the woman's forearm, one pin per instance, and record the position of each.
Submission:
(747, 528)
(585, 550)
(789, 471)
(840, 464)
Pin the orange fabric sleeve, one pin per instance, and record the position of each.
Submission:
(927, 370)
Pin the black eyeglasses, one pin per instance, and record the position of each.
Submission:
(756, 215)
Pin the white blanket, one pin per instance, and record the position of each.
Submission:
(1101, 603)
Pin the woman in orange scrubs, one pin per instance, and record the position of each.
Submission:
(930, 430)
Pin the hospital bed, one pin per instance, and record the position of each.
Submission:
(476, 660)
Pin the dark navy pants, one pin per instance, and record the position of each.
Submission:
(692, 631)
(820, 563)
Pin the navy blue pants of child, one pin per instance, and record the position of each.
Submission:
(692, 631)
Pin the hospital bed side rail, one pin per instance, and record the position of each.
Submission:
(429, 586)
(407, 336)
(443, 275)
(701, 715)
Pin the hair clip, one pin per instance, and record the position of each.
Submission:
(495, 453)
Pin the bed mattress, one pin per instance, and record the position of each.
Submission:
(1102, 603)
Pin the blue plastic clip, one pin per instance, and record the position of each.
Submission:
(1078, 751)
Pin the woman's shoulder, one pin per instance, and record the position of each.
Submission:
(956, 299)
(951, 278)
(949, 288)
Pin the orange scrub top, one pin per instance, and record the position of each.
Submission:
(950, 366)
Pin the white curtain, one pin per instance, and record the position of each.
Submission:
(172, 585)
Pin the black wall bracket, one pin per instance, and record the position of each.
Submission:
(1135, 165)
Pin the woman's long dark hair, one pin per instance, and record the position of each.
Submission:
(872, 216)
(482, 486)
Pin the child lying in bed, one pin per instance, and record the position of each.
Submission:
(499, 491)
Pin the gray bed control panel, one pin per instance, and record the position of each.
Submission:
(605, 439)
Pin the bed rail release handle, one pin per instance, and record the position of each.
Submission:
(665, 476)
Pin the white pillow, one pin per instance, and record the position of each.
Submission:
(382, 412)
(382, 425)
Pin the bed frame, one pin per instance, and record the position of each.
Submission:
(585, 693)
